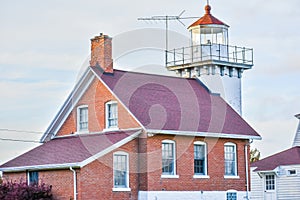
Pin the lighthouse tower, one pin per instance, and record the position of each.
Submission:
(211, 59)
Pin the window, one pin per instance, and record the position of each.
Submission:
(200, 166)
(292, 172)
(121, 171)
(168, 157)
(270, 182)
(230, 159)
(33, 178)
(231, 196)
(111, 114)
(82, 118)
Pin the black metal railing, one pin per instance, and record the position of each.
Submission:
(206, 52)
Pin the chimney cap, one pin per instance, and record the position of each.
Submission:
(101, 35)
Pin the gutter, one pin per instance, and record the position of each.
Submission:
(247, 168)
(75, 183)
(40, 167)
(203, 134)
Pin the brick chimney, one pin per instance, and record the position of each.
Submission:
(101, 53)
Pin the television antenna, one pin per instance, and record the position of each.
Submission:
(166, 19)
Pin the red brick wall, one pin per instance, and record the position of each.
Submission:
(15, 177)
(96, 179)
(95, 97)
(61, 181)
(185, 165)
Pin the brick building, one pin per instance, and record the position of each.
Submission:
(128, 135)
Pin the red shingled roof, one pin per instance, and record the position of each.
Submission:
(207, 19)
(176, 104)
(287, 157)
(71, 149)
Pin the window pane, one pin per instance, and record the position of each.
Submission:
(112, 115)
(199, 159)
(231, 196)
(270, 182)
(33, 178)
(120, 171)
(230, 162)
(83, 118)
(168, 158)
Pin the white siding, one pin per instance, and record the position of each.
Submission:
(257, 185)
(288, 187)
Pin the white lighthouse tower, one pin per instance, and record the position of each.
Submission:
(211, 59)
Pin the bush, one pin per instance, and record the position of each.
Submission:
(22, 191)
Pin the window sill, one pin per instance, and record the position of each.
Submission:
(201, 176)
(169, 176)
(121, 189)
(231, 177)
(82, 132)
(111, 129)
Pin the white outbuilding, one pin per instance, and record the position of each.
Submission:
(278, 176)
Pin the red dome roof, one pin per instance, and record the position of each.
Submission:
(207, 19)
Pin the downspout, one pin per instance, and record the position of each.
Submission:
(247, 168)
(75, 183)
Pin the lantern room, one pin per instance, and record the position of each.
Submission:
(208, 30)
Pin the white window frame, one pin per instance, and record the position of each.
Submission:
(126, 188)
(28, 176)
(292, 170)
(266, 184)
(107, 115)
(235, 175)
(205, 175)
(79, 130)
(174, 175)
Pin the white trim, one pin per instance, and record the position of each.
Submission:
(126, 188)
(235, 160)
(203, 134)
(107, 127)
(231, 177)
(121, 189)
(205, 159)
(169, 176)
(201, 176)
(80, 88)
(174, 175)
(40, 167)
(78, 118)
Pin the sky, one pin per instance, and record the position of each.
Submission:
(45, 44)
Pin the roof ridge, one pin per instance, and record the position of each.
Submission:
(145, 73)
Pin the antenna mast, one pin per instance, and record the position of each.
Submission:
(167, 18)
